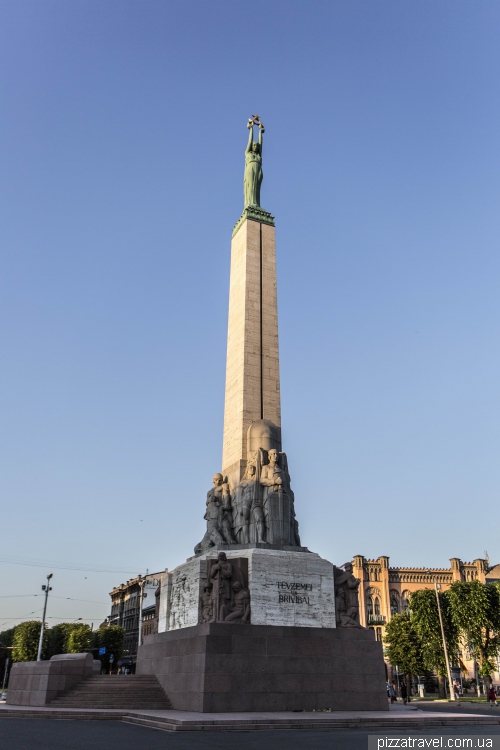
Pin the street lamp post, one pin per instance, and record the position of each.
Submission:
(6, 672)
(450, 683)
(46, 588)
(141, 598)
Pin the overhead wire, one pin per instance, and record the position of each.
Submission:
(10, 560)
(21, 617)
(52, 596)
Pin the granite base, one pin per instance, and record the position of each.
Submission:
(219, 667)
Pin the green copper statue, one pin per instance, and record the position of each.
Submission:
(253, 165)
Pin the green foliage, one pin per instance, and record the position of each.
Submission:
(404, 647)
(25, 641)
(67, 638)
(112, 637)
(54, 640)
(6, 637)
(79, 639)
(475, 611)
(425, 619)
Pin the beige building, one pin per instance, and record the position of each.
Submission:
(385, 591)
(139, 595)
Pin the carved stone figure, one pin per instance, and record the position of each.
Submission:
(346, 598)
(249, 507)
(217, 516)
(272, 476)
(278, 501)
(239, 610)
(228, 589)
(221, 574)
(207, 605)
(253, 165)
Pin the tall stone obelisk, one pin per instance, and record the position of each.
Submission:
(250, 569)
(252, 369)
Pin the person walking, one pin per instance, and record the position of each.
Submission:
(492, 696)
(392, 693)
(404, 693)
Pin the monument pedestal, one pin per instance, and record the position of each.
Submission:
(220, 667)
(286, 588)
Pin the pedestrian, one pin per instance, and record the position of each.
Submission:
(492, 696)
(456, 691)
(404, 694)
(392, 694)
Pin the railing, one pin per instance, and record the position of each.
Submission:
(376, 620)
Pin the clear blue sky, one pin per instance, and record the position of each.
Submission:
(123, 132)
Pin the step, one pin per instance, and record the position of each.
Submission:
(115, 692)
(171, 725)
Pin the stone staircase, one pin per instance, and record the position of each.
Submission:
(115, 691)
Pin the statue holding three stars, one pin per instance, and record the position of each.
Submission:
(253, 164)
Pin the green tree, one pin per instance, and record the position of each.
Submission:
(475, 611)
(425, 619)
(25, 641)
(112, 638)
(67, 638)
(79, 639)
(404, 647)
(6, 637)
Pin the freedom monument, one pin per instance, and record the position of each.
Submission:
(254, 621)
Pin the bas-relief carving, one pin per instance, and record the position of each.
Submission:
(179, 601)
(206, 604)
(261, 507)
(226, 597)
(346, 598)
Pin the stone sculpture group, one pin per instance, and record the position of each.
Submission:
(259, 510)
(225, 597)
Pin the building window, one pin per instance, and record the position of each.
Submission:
(405, 600)
(369, 607)
(377, 606)
(378, 634)
(394, 605)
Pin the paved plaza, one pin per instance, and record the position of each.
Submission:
(43, 734)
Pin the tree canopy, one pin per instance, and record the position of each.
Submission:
(6, 637)
(64, 638)
(425, 619)
(25, 641)
(475, 613)
(112, 638)
(404, 647)
(67, 638)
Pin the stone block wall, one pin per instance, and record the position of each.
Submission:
(37, 683)
(232, 668)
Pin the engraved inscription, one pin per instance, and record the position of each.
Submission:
(294, 586)
(293, 593)
(289, 599)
